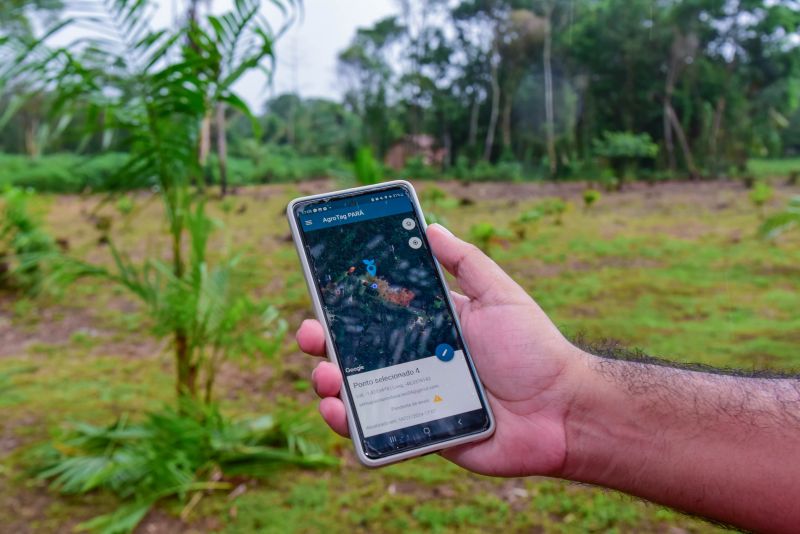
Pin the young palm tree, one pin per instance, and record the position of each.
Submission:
(156, 87)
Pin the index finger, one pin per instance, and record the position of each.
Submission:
(311, 337)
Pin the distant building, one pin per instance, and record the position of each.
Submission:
(423, 146)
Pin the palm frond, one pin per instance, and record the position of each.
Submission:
(781, 222)
(170, 453)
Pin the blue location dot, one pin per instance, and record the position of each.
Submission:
(445, 352)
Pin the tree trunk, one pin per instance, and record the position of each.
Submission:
(447, 161)
(548, 92)
(472, 138)
(687, 152)
(505, 123)
(222, 149)
(186, 372)
(203, 147)
(31, 145)
(186, 383)
(669, 89)
(668, 143)
(487, 148)
(716, 127)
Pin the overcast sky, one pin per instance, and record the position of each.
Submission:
(306, 53)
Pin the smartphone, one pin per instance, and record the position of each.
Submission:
(410, 387)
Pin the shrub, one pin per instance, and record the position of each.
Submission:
(25, 247)
(416, 169)
(760, 195)
(68, 173)
(624, 151)
(484, 171)
(524, 220)
(782, 222)
(556, 207)
(367, 170)
(172, 453)
(482, 234)
(590, 197)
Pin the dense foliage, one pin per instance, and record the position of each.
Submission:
(534, 87)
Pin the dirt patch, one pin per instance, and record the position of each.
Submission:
(59, 325)
(533, 268)
(662, 194)
(54, 326)
(160, 522)
(237, 382)
(10, 438)
(22, 508)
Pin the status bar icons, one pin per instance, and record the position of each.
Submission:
(385, 197)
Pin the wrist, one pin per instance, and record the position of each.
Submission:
(602, 432)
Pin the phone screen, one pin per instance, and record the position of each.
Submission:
(404, 363)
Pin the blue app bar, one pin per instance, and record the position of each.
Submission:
(337, 213)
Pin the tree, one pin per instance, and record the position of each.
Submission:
(157, 85)
(364, 67)
(21, 97)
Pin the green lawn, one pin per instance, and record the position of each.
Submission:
(674, 269)
(768, 168)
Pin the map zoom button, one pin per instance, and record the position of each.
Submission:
(415, 243)
(408, 223)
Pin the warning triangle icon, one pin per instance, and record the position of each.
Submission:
(437, 398)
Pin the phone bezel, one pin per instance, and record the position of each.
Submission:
(331, 350)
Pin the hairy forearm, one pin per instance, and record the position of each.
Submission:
(723, 446)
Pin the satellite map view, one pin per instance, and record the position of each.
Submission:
(381, 296)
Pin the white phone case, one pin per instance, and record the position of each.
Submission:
(331, 351)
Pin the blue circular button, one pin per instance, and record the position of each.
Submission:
(445, 352)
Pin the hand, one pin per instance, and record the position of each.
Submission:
(523, 362)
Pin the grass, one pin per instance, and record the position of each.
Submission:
(767, 168)
(676, 270)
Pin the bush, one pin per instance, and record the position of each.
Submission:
(67, 173)
(366, 168)
(172, 453)
(278, 164)
(484, 171)
(416, 169)
(483, 234)
(783, 221)
(556, 207)
(25, 247)
(524, 220)
(590, 197)
(760, 195)
(624, 151)
(72, 173)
